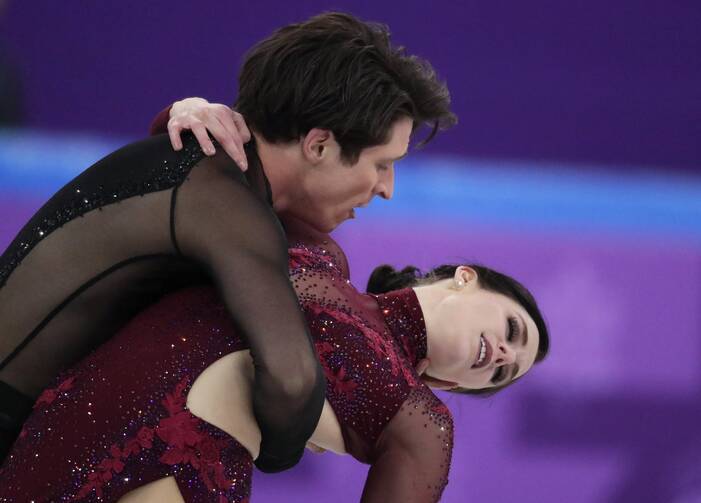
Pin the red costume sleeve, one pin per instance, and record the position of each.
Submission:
(388, 418)
(159, 124)
(411, 460)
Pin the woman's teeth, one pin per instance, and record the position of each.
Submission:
(483, 351)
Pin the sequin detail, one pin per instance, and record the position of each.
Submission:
(187, 444)
(50, 394)
(435, 415)
(129, 394)
(118, 420)
(81, 202)
(405, 321)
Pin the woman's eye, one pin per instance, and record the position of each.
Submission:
(513, 329)
(498, 375)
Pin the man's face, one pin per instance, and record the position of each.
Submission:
(333, 189)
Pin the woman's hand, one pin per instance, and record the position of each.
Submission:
(200, 116)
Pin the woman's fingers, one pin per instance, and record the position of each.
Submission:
(174, 130)
(201, 117)
(182, 114)
(241, 126)
(200, 131)
(228, 133)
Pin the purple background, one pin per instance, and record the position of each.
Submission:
(613, 82)
(596, 107)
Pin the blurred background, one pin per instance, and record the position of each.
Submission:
(576, 167)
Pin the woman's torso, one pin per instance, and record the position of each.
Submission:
(173, 363)
(118, 420)
(221, 395)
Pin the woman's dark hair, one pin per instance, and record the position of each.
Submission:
(385, 278)
(336, 72)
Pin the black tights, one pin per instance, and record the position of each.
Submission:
(14, 410)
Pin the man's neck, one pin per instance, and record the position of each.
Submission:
(281, 165)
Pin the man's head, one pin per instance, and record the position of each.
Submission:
(335, 81)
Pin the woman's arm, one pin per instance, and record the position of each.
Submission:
(411, 459)
(407, 433)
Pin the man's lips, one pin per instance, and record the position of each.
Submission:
(351, 212)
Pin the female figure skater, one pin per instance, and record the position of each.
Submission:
(152, 414)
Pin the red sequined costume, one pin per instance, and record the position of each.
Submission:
(118, 419)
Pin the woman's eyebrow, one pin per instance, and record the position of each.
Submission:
(514, 371)
(524, 340)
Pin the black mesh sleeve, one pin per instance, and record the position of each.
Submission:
(225, 226)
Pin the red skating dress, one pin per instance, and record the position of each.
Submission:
(118, 419)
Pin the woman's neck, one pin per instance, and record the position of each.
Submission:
(429, 297)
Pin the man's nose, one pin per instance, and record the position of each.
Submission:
(505, 354)
(385, 184)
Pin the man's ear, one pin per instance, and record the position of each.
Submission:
(315, 145)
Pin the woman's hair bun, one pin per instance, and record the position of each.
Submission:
(386, 278)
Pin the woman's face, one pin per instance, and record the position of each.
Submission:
(483, 339)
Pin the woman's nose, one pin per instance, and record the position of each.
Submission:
(505, 355)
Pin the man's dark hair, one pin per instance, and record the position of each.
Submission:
(338, 73)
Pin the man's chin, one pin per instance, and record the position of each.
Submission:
(329, 227)
(325, 225)
(348, 216)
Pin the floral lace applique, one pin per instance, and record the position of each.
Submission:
(381, 346)
(186, 444)
(49, 395)
(342, 385)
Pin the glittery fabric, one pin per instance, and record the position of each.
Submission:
(76, 201)
(118, 420)
(141, 223)
(368, 347)
(129, 426)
